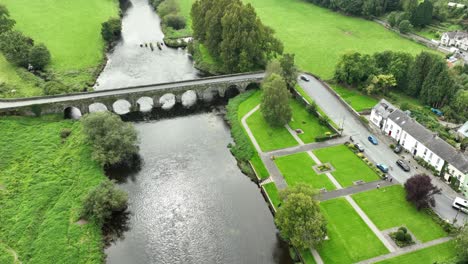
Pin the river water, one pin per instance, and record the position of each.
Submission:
(189, 203)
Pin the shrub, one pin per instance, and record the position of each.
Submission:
(174, 21)
(400, 235)
(312, 108)
(64, 133)
(55, 87)
(16, 47)
(39, 56)
(392, 146)
(168, 7)
(156, 3)
(361, 155)
(364, 119)
(403, 229)
(408, 238)
(111, 30)
(405, 26)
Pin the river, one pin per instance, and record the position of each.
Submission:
(189, 203)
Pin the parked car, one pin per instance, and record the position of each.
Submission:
(460, 204)
(359, 147)
(397, 149)
(403, 165)
(382, 167)
(372, 139)
(305, 78)
(437, 112)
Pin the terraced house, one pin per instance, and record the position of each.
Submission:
(422, 143)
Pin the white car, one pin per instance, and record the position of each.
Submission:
(305, 78)
(460, 204)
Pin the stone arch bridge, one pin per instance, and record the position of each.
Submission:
(164, 95)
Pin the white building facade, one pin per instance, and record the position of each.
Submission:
(457, 39)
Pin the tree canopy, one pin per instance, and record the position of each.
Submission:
(6, 23)
(275, 101)
(420, 191)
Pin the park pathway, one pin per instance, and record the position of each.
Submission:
(354, 189)
(307, 147)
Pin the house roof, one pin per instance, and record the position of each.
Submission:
(384, 108)
(456, 34)
(430, 140)
(464, 129)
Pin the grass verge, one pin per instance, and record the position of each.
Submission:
(308, 123)
(435, 254)
(356, 99)
(272, 191)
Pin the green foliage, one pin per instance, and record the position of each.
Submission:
(54, 88)
(461, 243)
(16, 47)
(438, 88)
(392, 19)
(400, 235)
(420, 191)
(354, 68)
(403, 229)
(288, 70)
(405, 27)
(299, 219)
(111, 30)
(381, 84)
(156, 3)
(175, 21)
(6, 23)
(114, 141)
(65, 132)
(422, 15)
(102, 201)
(275, 101)
(419, 71)
(39, 57)
(168, 7)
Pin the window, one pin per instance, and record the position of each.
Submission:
(430, 156)
(416, 145)
(438, 160)
(404, 135)
(391, 127)
(425, 151)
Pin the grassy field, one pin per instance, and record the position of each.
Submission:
(319, 36)
(307, 256)
(435, 254)
(309, 124)
(383, 205)
(351, 240)
(297, 168)
(42, 183)
(75, 42)
(272, 192)
(353, 97)
(24, 83)
(349, 167)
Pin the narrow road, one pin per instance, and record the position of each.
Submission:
(381, 153)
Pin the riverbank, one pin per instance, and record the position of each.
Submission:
(43, 179)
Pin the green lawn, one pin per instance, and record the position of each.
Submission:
(356, 99)
(435, 254)
(307, 122)
(351, 240)
(297, 168)
(24, 83)
(307, 256)
(44, 181)
(349, 167)
(272, 192)
(382, 206)
(71, 30)
(319, 36)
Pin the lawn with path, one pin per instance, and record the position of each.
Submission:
(71, 30)
(44, 180)
(297, 168)
(435, 254)
(350, 239)
(308, 123)
(319, 36)
(388, 208)
(348, 166)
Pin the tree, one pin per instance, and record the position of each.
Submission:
(409, 5)
(6, 23)
(419, 71)
(174, 21)
(39, 56)
(420, 191)
(354, 68)
(405, 27)
(168, 7)
(392, 19)
(461, 241)
(102, 201)
(16, 47)
(299, 219)
(422, 15)
(288, 70)
(114, 141)
(438, 87)
(381, 84)
(273, 66)
(111, 30)
(275, 101)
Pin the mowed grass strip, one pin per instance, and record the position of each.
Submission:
(308, 123)
(272, 191)
(348, 166)
(297, 168)
(356, 99)
(435, 254)
(387, 208)
(319, 36)
(350, 239)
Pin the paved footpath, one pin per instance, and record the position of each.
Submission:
(307, 147)
(354, 189)
(406, 250)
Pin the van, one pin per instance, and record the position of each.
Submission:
(460, 204)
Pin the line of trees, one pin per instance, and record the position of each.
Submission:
(366, 8)
(425, 77)
(232, 33)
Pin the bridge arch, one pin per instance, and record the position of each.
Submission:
(232, 91)
(189, 98)
(97, 107)
(210, 94)
(167, 101)
(122, 107)
(72, 112)
(145, 104)
(252, 86)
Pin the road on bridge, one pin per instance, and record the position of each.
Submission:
(381, 153)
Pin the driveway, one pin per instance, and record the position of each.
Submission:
(381, 153)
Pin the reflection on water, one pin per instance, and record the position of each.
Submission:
(189, 203)
(129, 64)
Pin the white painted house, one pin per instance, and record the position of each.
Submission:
(457, 39)
(421, 142)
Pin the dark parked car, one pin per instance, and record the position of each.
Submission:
(382, 167)
(397, 149)
(373, 140)
(359, 147)
(305, 78)
(403, 165)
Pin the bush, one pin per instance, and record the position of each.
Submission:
(168, 7)
(405, 27)
(400, 235)
(102, 201)
(408, 238)
(174, 21)
(111, 30)
(16, 47)
(392, 146)
(403, 229)
(312, 108)
(39, 57)
(64, 133)
(156, 3)
(54, 88)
